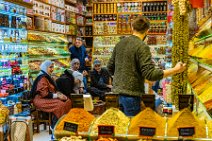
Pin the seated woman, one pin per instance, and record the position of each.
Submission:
(46, 96)
(100, 81)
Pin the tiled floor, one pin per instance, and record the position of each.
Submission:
(42, 136)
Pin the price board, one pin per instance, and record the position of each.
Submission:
(72, 127)
(147, 131)
(106, 130)
(186, 131)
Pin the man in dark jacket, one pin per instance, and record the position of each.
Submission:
(100, 81)
(79, 51)
(131, 63)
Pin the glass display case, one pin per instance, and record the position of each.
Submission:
(47, 46)
(13, 49)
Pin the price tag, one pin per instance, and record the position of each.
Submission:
(147, 131)
(72, 127)
(186, 131)
(186, 101)
(106, 130)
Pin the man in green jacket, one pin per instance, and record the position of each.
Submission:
(131, 63)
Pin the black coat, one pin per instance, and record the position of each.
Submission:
(100, 80)
(65, 83)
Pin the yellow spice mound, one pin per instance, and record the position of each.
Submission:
(185, 118)
(147, 118)
(77, 115)
(210, 129)
(113, 117)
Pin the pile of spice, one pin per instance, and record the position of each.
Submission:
(112, 117)
(73, 138)
(209, 128)
(185, 118)
(107, 139)
(79, 116)
(147, 118)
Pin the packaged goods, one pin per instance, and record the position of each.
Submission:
(76, 115)
(147, 118)
(113, 117)
(185, 118)
(4, 112)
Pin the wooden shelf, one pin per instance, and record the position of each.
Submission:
(103, 2)
(69, 2)
(47, 31)
(68, 23)
(89, 25)
(87, 36)
(51, 4)
(59, 22)
(158, 21)
(129, 12)
(155, 12)
(38, 15)
(156, 33)
(89, 5)
(154, 0)
(25, 4)
(105, 21)
(88, 16)
(105, 13)
(121, 1)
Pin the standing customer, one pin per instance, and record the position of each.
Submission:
(45, 95)
(100, 81)
(131, 64)
(79, 51)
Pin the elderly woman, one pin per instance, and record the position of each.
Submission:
(45, 95)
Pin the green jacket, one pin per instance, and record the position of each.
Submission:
(131, 63)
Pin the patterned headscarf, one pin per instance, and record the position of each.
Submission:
(44, 66)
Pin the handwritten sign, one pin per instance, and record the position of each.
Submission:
(149, 100)
(186, 131)
(147, 131)
(72, 127)
(186, 101)
(106, 130)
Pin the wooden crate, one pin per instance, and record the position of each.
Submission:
(112, 100)
(77, 101)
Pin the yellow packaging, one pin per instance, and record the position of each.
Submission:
(94, 8)
(111, 8)
(114, 8)
(105, 8)
(99, 8)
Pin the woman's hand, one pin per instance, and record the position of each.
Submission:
(61, 96)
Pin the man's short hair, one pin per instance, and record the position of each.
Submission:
(141, 24)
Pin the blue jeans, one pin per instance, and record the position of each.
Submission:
(131, 105)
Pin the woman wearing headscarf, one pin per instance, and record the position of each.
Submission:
(45, 95)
